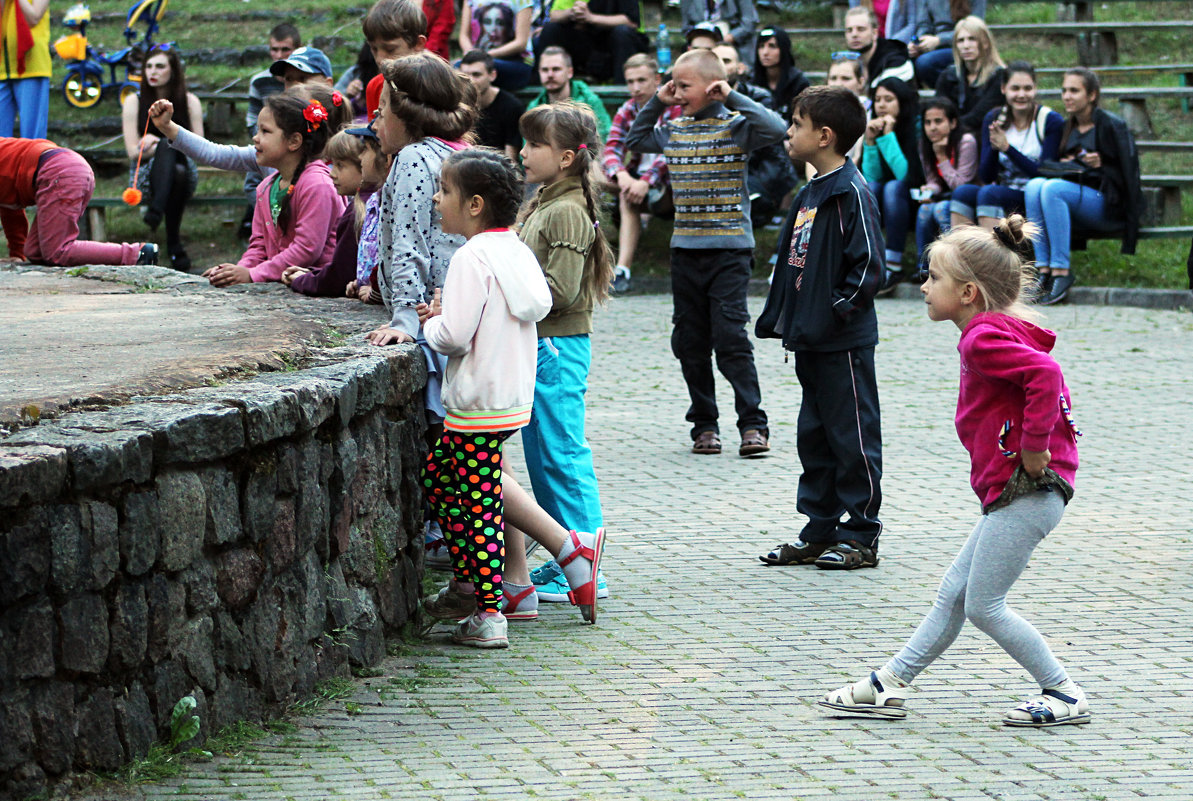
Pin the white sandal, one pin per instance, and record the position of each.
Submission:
(868, 698)
(1051, 708)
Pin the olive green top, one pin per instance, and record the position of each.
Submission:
(562, 235)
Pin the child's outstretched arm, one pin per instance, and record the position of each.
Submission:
(757, 126)
(203, 151)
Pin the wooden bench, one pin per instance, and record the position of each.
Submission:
(1066, 11)
(93, 226)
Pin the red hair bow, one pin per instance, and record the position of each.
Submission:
(315, 115)
(337, 99)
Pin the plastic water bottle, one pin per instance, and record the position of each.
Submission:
(663, 48)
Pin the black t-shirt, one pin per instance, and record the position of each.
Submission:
(498, 125)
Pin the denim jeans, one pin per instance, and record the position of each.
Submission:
(894, 202)
(558, 458)
(512, 75)
(992, 200)
(931, 221)
(1056, 205)
(929, 66)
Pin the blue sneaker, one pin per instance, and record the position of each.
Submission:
(551, 585)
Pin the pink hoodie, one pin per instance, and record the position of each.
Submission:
(314, 209)
(1009, 379)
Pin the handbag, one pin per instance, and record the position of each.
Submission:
(1061, 169)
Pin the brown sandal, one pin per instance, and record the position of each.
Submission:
(707, 442)
(753, 443)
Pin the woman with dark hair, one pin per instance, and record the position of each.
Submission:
(1016, 139)
(775, 70)
(949, 157)
(974, 81)
(891, 165)
(167, 178)
(1101, 193)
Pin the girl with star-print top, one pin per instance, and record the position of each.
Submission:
(424, 114)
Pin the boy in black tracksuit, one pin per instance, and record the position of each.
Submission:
(821, 304)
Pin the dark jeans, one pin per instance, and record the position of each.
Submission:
(602, 52)
(709, 291)
(839, 439)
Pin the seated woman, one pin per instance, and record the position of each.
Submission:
(775, 70)
(502, 29)
(974, 81)
(354, 80)
(1102, 193)
(891, 165)
(927, 26)
(950, 159)
(167, 179)
(1015, 140)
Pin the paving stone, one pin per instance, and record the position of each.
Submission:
(699, 682)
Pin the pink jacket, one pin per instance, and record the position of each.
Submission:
(1012, 397)
(493, 295)
(314, 209)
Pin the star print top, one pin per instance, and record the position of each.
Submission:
(414, 250)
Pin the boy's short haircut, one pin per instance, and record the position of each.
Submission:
(869, 12)
(479, 57)
(639, 60)
(283, 31)
(705, 62)
(556, 50)
(395, 19)
(833, 107)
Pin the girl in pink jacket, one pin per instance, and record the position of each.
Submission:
(294, 220)
(1013, 417)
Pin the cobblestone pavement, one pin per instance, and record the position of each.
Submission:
(701, 679)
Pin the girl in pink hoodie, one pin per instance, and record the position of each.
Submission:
(1013, 417)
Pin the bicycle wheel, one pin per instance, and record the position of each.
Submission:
(81, 89)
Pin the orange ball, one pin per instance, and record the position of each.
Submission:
(131, 196)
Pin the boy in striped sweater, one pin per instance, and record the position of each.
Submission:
(712, 247)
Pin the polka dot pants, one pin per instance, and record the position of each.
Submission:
(462, 480)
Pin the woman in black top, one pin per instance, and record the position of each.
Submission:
(775, 70)
(1101, 193)
(975, 80)
(167, 178)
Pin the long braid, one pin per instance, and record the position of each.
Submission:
(601, 276)
(284, 206)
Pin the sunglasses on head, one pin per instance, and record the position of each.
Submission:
(164, 47)
(845, 55)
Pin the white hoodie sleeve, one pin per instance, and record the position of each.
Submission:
(465, 291)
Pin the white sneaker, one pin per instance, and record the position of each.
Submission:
(438, 555)
(1051, 708)
(482, 632)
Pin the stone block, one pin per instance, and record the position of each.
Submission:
(129, 628)
(289, 458)
(97, 746)
(27, 781)
(315, 398)
(103, 525)
(169, 685)
(312, 518)
(53, 719)
(221, 523)
(181, 432)
(32, 474)
(270, 413)
(283, 540)
(366, 646)
(182, 512)
(201, 595)
(339, 605)
(83, 621)
(70, 550)
(194, 650)
(134, 721)
(313, 594)
(395, 438)
(257, 497)
(24, 556)
(234, 700)
(35, 641)
(95, 458)
(139, 537)
(167, 614)
(16, 729)
(238, 575)
(342, 378)
(231, 648)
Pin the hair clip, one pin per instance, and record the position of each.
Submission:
(337, 99)
(315, 115)
(582, 146)
(596, 224)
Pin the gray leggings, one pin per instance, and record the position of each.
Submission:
(975, 588)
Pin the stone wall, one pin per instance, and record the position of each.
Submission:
(238, 543)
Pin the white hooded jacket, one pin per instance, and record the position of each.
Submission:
(493, 295)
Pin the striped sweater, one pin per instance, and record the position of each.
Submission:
(706, 156)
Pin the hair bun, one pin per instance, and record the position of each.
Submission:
(1012, 231)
